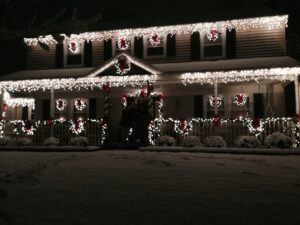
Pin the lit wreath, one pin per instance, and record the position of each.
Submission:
(213, 34)
(255, 126)
(123, 43)
(80, 104)
(74, 47)
(60, 104)
(182, 127)
(155, 40)
(122, 66)
(77, 127)
(28, 128)
(240, 99)
(212, 101)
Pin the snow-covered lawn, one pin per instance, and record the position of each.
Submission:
(148, 188)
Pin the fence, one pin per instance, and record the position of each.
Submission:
(229, 129)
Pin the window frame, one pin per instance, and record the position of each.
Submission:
(202, 47)
(66, 54)
(164, 55)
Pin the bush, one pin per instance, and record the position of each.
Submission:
(191, 141)
(51, 141)
(79, 141)
(247, 142)
(166, 141)
(24, 141)
(278, 140)
(215, 141)
(6, 140)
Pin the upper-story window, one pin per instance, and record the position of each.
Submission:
(73, 53)
(213, 45)
(155, 46)
(123, 44)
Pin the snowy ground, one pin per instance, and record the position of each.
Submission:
(148, 188)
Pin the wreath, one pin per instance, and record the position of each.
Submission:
(77, 127)
(80, 104)
(122, 66)
(155, 40)
(240, 99)
(183, 127)
(60, 104)
(212, 101)
(213, 35)
(123, 43)
(74, 47)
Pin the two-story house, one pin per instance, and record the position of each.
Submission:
(229, 69)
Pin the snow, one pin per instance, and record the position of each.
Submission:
(132, 187)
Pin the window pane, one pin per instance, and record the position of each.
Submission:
(74, 59)
(155, 51)
(213, 50)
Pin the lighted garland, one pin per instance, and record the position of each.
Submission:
(74, 46)
(240, 99)
(80, 104)
(183, 127)
(212, 35)
(123, 43)
(26, 127)
(155, 40)
(77, 127)
(60, 104)
(123, 66)
(212, 99)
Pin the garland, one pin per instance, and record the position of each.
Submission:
(74, 46)
(240, 99)
(123, 43)
(123, 66)
(60, 104)
(80, 104)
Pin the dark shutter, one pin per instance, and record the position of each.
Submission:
(88, 54)
(195, 46)
(59, 55)
(25, 113)
(92, 108)
(289, 100)
(171, 45)
(230, 43)
(138, 47)
(107, 49)
(258, 105)
(46, 109)
(198, 106)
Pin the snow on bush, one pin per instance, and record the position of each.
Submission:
(278, 140)
(166, 141)
(51, 141)
(247, 142)
(79, 141)
(191, 141)
(24, 141)
(6, 140)
(215, 141)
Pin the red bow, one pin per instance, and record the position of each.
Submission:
(216, 120)
(105, 88)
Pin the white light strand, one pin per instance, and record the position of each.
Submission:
(47, 39)
(60, 104)
(80, 104)
(16, 102)
(268, 22)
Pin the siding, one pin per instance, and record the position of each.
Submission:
(39, 58)
(260, 43)
(98, 53)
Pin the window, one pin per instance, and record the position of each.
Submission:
(122, 44)
(213, 49)
(155, 46)
(73, 54)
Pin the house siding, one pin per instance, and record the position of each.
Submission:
(39, 58)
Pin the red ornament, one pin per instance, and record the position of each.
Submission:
(216, 120)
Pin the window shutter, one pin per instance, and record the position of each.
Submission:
(289, 100)
(195, 46)
(25, 113)
(230, 44)
(198, 106)
(171, 45)
(92, 108)
(138, 47)
(88, 58)
(59, 55)
(107, 49)
(258, 99)
(46, 109)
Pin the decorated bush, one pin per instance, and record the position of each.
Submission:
(215, 141)
(166, 141)
(6, 141)
(79, 141)
(247, 142)
(23, 141)
(51, 141)
(191, 141)
(278, 140)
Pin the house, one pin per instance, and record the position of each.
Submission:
(237, 68)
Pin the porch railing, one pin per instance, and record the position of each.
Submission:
(229, 129)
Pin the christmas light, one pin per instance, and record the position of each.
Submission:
(77, 126)
(155, 40)
(47, 39)
(60, 104)
(16, 102)
(269, 22)
(74, 46)
(122, 66)
(123, 43)
(27, 127)
(183, 127)
(212, 99)
(240, 99)
(212, 35)
(80, 104)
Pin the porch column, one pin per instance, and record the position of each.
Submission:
(1, 104)
(52, 103)
(216, 96)
(297, 94)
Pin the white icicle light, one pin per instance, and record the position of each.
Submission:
(47, 39)
(16, 102)
(268, 22)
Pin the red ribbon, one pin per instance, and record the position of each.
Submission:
(216, 120)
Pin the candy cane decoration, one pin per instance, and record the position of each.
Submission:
(105, 91)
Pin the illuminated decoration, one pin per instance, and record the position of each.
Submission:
(255, 126)
(123, 43)
(80, 104)
(216, 120)
(282, 74)
(183, 127)
(240, 99)
(212, 99)
(74, 46)
(2, 122)
(47, 39)
(213, 35)
(16, 102)
(129, 133)
(77, 127)
(155, 40)
(103, 132)
(60, 104)
(26, 127)
(4, 109)
(268, 22)
(122, 65)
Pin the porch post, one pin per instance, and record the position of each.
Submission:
(52, 110)
(216, 96)
(297, 94)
